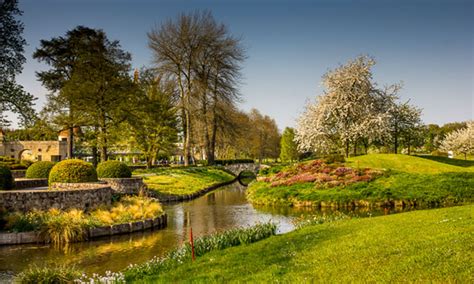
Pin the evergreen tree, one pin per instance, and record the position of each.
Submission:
(288, 146)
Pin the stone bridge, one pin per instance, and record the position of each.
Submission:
(236, 169)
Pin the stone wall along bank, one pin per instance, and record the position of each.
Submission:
(132, 186)
(85, 196)
(92, 233)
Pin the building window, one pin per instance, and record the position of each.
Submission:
(39, 150)
(39, 158)
(55, 158)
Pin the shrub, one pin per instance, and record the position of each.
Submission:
(39, 169)
(334, 158)
(113, 169)
(6, 178)
(14, 164)
(72, 171)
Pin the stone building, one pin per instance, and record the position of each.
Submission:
(34, 150)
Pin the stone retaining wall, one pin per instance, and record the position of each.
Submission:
(83, 196)
(125, 185)
(30, 182)
(166, 198)
(126, 228)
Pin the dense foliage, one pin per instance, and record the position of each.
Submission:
(39, 169)
(354, 111)
(12, 45)
(288, 146)
(6, 178)
(14, 164)
(113, 169)
(460, 141)
(72, 171)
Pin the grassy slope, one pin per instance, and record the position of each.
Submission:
(413, 179)
(423, 246)
(412, 164)
(180, 181)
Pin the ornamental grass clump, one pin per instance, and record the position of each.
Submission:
(113, 169)
(52, 274)
(128, 209)
(72, 171)
(39, 169)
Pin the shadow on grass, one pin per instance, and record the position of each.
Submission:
(445, 160)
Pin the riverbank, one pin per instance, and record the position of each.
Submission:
(381, 180)
(182, 181)
(421, 246)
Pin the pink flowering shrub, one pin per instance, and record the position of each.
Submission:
(321, 174)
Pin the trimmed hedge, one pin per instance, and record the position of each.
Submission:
(113, 169)
(72, 171)
(39, 169)
(6, 178)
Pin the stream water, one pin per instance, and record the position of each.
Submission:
(219, 210)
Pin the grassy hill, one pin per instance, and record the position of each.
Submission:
(420, 246)
(412, 164)
(411, 181)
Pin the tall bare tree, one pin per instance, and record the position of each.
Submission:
(204, 60)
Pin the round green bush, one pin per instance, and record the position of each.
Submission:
(113, 169)
(39, 169)
(72, 171)
(6, 178)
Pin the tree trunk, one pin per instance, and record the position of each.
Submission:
(187, 140)
(395, 144)
(70, 143)
(95, 157)
(347, 149)
(355, 148)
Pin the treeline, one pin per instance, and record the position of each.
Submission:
(185, 104)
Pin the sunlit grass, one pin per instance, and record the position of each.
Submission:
(421, 246)
(183, 181)
(407, 180)
(411, 164)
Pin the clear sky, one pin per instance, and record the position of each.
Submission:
(428, 45)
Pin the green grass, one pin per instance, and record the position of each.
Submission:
(410, 180)
(182, 181)
(412, 164)
(421, 246)
(411, 189)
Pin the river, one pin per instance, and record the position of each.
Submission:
(221, 209)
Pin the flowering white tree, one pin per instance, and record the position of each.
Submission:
(351, 110)
(460, 141)
(404, 122)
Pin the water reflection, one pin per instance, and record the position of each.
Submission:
(219, 210)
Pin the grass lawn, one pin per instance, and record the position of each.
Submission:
(182, 181)
(412, 180)
(421, 246)
(412, 164)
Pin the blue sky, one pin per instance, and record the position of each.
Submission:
(428, 45)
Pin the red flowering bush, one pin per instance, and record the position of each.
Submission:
(321, 174)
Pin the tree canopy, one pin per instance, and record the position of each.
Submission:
(13, 97)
